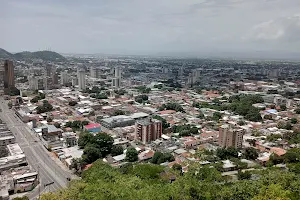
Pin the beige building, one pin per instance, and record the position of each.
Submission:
(230, 137)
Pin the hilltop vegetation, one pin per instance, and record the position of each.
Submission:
(149, 181)
(44, 55)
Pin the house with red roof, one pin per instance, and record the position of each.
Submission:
(93, 128)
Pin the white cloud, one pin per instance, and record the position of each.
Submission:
(144, 26)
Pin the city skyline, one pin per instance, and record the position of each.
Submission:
(197, 27)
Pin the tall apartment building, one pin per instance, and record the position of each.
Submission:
(50, 76)
(36, 83)
(1, 79)
(81, 80)
(230, 137)
(118, 72)
(95, 72)
(9, 75)
(116, 81)
(74, 81)
(64, 77)
(148, 130)
(50, 70)
(48, 83)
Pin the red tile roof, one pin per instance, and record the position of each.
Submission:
(167, 112)
(89, 126)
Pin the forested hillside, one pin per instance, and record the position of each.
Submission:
(147, 181)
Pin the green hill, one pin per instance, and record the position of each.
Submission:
(5, 54)
(25, 55)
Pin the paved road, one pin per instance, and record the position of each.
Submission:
(37, 156)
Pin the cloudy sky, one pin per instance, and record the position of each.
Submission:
(150, 26)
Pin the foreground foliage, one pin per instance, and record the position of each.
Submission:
(148, 181)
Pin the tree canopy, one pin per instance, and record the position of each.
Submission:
(172, 106)
(131, 155)
(95, 146)
(45, 107)
(148, 181)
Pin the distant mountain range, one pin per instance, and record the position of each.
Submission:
(43, 55)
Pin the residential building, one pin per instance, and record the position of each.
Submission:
(48, 83)
(74, 81)
(230, 137)
(148, 130)
(117, 121)
(64, 77)
(70, 139)
(81, 80)
(95, 72)
(33, 83)
(116, 81)
(36, 83)
(1, 81)
(93, 128)
(118, 72)
(6, 137)
(9, 76)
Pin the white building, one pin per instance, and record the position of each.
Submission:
(116, 81)
(81, 80)
(118, 72)
(33, 83)
(95, 72)
(64, 79)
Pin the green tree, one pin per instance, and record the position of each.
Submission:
(274, 192)
(91, 153)
(226, 153)
(217, 116)
(116, 150)
(57, 125)
(49, 119)
(201, 115)
(288, 126)
(241, 123)
(85, 138)
(34, 100)
(131, 155)
(243, 175)
(251, 153)
(172, 106)
(9, 104)
(297, 110)
(46, 107)
(268, 117)
(292, 155)
(177, 167)
(157, 155)
(294, 120)
(141, 98)
(118, 112)
(72, 103)
(282, 107)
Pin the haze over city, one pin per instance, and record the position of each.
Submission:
(171, 27)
